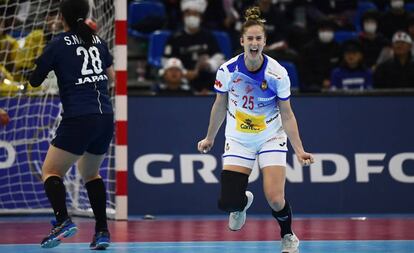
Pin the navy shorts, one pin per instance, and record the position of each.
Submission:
(92, 133)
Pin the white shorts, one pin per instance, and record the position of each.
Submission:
(272, 152)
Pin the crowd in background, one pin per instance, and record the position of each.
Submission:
(302, 33)
(25, 30)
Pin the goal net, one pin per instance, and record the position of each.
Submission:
(26, 27)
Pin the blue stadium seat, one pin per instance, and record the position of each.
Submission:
(362, 7)
(409, 7)
(342, 36)
(292, 72)
(139, 11)
(224, 43)
(157, 41)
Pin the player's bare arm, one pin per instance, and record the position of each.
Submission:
(111, 73)
(217, 116)
(291, 128)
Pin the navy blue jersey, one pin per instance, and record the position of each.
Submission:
(80, 71)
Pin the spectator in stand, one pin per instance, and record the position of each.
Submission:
(196, 47)
(305, 15)
(173, 83)
(397, 72)
(319, 57)
(375, 47)
(352, 74)
(394, 19)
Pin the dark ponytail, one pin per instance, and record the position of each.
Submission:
(74, 13)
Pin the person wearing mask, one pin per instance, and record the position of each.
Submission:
(375, 47)
(196, 47)
(397, 72)
(352, 74)
(318, 58)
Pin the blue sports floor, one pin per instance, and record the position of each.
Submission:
(210, 235)
(225, 247)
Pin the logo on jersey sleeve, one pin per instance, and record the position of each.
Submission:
(218, 84)
(248, 123)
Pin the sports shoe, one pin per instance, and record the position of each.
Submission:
(59, 231)
(100, 240)
(290, 244)
(237, 219)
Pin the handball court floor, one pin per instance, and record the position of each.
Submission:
(209, 234)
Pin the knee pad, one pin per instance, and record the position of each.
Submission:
(233, 191)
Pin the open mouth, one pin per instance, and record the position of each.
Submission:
(254, 52)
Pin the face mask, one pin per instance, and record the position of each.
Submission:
(192, 22)
(326, 36)
(397, 4)
(370, 27)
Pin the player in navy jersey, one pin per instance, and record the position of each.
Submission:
(253, 90)
(83, 66)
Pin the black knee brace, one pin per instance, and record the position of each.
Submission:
(233, 187)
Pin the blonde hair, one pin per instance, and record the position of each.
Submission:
(252, 16)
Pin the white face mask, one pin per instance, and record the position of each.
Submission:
(326, 36)
(370, 27)
(192, 22)
(397, 4)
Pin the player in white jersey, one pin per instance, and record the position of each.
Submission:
(253, 90)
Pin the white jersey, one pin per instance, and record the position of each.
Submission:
(252, 112)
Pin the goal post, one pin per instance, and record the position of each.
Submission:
(35, 112)
(121, 115)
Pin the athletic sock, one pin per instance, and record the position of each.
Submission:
(284, 218)
(56, 193)
(97, 198)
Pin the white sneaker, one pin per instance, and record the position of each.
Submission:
(237, 219)
(290, 244)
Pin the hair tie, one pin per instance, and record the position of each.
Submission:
(80, 20)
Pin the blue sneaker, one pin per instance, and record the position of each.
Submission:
(100, 241)
(59, 231)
